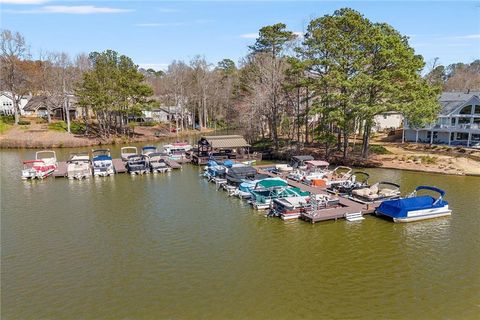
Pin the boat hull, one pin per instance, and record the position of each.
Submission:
(418, 215)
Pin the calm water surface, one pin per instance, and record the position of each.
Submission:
(171, 247)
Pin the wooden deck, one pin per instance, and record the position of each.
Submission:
(346, 206)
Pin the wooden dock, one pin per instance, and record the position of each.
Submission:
(61, 170)
(119, 165)
(173, 164)
(346, 206)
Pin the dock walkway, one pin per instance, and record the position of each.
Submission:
(346, 206)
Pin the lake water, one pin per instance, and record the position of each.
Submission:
(172, 247)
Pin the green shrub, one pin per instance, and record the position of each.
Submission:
(428, 159)
(148, 124)
(77, 127)
(24, 123)
(7, 119)
(58, 126)
(378, 149)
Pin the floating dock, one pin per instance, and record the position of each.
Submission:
(173, 164)
(61, 170)
(119, 165)
(346, 206)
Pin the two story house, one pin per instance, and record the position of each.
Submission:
(458, 122)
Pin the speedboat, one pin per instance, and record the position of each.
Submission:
(126, 152)
(273, 188)
(44, 165)
(148, 149)
(102, 163)
(157, 163)
(238, 174)
(358, 180)
(375, 193)
(137, 164)
(414, 207)
(244, 190)
(79, 166)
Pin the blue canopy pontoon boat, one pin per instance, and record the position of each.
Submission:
(414, 208)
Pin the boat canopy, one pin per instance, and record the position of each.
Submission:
(317, 163)
(242, 171)
(435, 189)
(271, 183)
(149, 148)
(228, 163)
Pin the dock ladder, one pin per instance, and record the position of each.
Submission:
(355, 216)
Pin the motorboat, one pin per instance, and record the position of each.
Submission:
(126, 152)
(137, 164)
(299, 162)
(148, 150)
(44, 165)
(244, 190)
(339, 175)
(358, 180)
(102, 163)
(273, 188)
(238, 174)
(156, 161)
(282, 168)
(415, 207)
(79, 166)
(375, 193)
(177, 151)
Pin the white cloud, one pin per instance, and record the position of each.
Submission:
(154, 66)
(23, 1)
(160, 24)
(71, 10)
(470, 36)
(249, 35)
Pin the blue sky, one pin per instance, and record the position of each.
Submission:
(154, 33)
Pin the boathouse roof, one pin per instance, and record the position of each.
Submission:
(225, 142)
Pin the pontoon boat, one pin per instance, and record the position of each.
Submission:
(157, 163)
(127, 152)
(358, 180)
(102, 163)
(44, 165)
(378, 192)
(273, 188)
(414, 208)
(137, 164)
(79, 166)
(148, 149)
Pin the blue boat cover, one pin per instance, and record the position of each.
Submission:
(228, 163)
(399, 208)
(149, 148)
(212, 163)
(102, 157)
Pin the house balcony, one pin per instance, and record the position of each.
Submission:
(475, 128)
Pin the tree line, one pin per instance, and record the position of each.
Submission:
(323, 86)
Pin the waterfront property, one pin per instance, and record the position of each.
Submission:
(458, 122)
(6, 103)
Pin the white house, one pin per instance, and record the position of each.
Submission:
(388, 121)
(165, 114)
(6, 103)
(458, 123)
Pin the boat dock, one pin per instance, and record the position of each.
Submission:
(61, 170)
(119, 165)
(173, 164)
(346, 206)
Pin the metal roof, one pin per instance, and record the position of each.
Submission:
(225, 142)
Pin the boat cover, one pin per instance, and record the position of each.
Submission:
(102, 157)
(399, 208)
(228, 163)
(271, 183)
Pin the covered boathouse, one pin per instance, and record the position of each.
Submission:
(220, 148)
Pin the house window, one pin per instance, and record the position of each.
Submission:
(475, 137)
(462, 136)
(466, 110)
(477, 109)
(429, 135)
(463, 120)
(453, 121)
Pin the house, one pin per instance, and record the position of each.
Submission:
(6, 104)
(168, 113)
(458, 122)
(37, 107)
(390, 120)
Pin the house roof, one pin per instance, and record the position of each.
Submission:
(450, 101)
(225, 142)
(38, 102)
